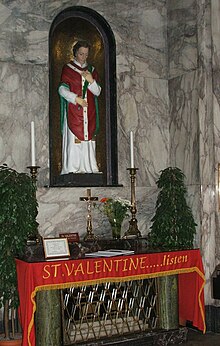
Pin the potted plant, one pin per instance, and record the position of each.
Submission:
(173, 228)
(173, 225)
(18, 207)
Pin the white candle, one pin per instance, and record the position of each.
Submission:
(33, 162)
(132, 148)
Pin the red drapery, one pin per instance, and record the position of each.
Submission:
(33, 277)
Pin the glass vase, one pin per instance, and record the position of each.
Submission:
(116, 230)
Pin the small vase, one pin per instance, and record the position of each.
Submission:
(116, 230)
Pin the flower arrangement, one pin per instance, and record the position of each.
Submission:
(115, 210)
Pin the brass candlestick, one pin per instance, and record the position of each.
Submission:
(133, 227)
(89, 235)
(34, 172)
(35, 239)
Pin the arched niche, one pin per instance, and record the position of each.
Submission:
(70, 25)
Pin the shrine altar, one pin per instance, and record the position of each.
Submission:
(60, 274)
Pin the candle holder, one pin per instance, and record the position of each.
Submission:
(90, 236)
(34, 172)
(133, 230)
(35, 239)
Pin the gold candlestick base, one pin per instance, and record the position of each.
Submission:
(133, 230)
(34, 172)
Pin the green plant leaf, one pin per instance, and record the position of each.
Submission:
(18, 212)
(173, 226)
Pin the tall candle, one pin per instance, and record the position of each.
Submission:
(132, 148)
(33, 161)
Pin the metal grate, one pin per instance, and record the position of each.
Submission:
(109, 309)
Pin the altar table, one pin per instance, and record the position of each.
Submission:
(34, 277)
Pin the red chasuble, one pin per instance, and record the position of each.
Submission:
(75, 113)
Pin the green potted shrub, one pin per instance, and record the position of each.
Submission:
(18, 207)
(173, 228)
(173, 225)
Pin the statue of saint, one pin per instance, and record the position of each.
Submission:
(79, 90)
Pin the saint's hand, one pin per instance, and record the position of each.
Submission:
(88, 76)
(81, 102)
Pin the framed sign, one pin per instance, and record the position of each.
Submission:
(56, 248)
(71, 237)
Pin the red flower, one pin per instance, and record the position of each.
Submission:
(104, 199)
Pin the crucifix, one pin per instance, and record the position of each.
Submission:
(89, 199)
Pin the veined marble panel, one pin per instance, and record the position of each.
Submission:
(143, 108)
(23, 98)
(193, 198)
(208, 237)
(23, 34)
(181, 36)
(207, 148)
(184, 125)
(60, 210)
(139, 27)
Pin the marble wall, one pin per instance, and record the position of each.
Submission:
(167, 91)
(193, 35)
(191, 115)
(182, 31)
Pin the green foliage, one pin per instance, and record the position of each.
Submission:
(18, 211)
(173, 226)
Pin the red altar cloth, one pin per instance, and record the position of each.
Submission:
(34, 277)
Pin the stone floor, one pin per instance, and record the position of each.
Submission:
(194, 338)
(197, 338)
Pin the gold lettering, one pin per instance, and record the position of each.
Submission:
(48, 273)
(116, 264)
(185, 259)
(97, 266)
(125, 269)
(164, 260)
(174, 260)
(79, 269)
(179, 259)
(87, 268)
(69, 271)
(133, 264)
(55, 269)
(142, 262)
(105, 265)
